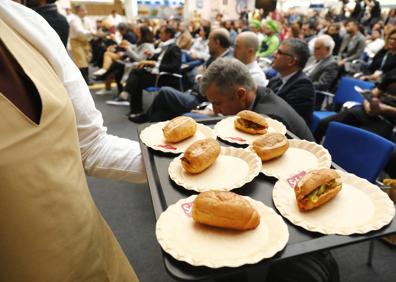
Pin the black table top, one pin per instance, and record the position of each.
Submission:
(164, 192)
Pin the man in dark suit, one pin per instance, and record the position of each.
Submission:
(168, 60)
(292, 84)
(170, 102)
(322, 68)
(229, 86)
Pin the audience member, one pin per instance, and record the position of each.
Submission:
(168, 60)
(322, 68)
(292, 84)
(377, 115)
(270, 42)
(352, 45)
(229, 86)
(334, 31)
(170, 102)
(385, 60)
(374, 43)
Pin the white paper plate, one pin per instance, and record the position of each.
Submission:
(359, 207)
(226, 130)
(152, 136)
(200, 245)
(232, 169)
(302, 155)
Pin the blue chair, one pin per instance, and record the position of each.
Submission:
(345, 92)
(357, 150)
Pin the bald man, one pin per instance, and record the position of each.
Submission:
(246, 46)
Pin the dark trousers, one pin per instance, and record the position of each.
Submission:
(356, 116)
(170, 103)
(137, 81)
(116, 70)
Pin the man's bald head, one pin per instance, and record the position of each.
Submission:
(246, 46)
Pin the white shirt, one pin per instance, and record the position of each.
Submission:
(372, 47)
(200, 48)
(114, 20)
(103, 155)
(257, 74)
(81, 28)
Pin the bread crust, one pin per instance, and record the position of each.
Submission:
(179, 129)
(312, 181)
(270, 146)
(200, 155)
(226, 210)
(246, 118)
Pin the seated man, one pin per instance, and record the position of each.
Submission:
(168, 60)
(292, 84)
(229, 86)
(270, 42)
(322, 68)
(169, 102)
(352, 45)
(377, 115)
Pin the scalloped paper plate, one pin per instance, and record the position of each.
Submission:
(233, 168)
(153, 137)
(302, 155)
(359, 207)
(226, 130)
(202, 245)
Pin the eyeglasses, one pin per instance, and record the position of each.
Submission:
(280, 53)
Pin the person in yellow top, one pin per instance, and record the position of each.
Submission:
(51, 137)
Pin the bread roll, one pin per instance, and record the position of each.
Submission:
(270, 146)
(317, 188)
(225, 209)
(200, 155)
(179, 129)
(251, 122)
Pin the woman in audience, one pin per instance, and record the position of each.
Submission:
(385, 60)
(199, 51)
(136, 53)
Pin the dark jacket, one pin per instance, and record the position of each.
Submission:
(378, 64)
(271, 105)
(57, 21)
(298, 92)
(324, 74)
(171, 61)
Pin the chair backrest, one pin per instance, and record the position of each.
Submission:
(357, 150)
(346, 92)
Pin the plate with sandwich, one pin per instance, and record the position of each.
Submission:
(283, 158)
(333, 202)
(205, 166)
(175, 135)
(246, 126)
(221, 229)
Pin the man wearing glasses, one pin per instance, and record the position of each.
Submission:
(292, 84)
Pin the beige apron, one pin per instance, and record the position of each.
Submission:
(50, 228)
(81, 52)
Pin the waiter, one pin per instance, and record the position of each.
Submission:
(51, 132)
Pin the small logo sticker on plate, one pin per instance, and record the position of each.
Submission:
(168, 147)
(295, 178)
(187, 208)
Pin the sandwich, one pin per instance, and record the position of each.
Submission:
(317, 188)
(200, 155)
(270, 146)
(251, 122)
(179, 129)
(226, 210)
